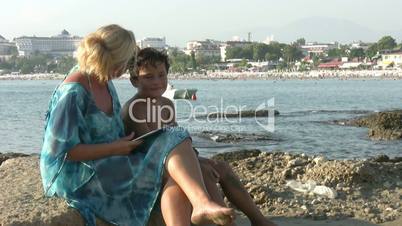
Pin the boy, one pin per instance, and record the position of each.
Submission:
(148, 110)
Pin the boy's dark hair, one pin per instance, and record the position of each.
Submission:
(145, 57)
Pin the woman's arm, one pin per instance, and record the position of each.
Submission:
(83, 152)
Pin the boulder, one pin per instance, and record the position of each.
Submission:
(22, 201)
(382, 125)
(5, 156)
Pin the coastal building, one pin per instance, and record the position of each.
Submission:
(207, 48)
(360, 45)
(269, 39)
(6, 48)
(262, 65)
(314, 48)
(157, 43)
(238, 39)
(62, 44)
(333, 64)
(391, 59)
(230, 44)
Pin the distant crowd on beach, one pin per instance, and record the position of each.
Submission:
(276, 74)
(273, 74)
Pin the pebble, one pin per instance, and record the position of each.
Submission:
(319, 160)
(296, 162)
(367, 210)
(314, 202)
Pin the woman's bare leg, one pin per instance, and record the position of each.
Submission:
(238, 195)
(176, 208)
(183, 166)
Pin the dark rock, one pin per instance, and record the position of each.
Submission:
(236, 137)
(245, 113)
(238, 155)
(382, 125)
(385, 158)
(380, 158)
(5, 156)
(286, 174)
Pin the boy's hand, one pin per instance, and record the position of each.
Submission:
(126, 145)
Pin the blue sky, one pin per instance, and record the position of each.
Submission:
(183, 20)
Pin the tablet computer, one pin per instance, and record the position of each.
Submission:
(148, 134)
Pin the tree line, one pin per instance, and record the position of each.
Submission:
(38, 63)
(285, 54)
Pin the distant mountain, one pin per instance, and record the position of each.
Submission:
(323, 29)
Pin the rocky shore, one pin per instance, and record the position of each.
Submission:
(382, 125)
(235, 138)
(369, 190)
(240, 114)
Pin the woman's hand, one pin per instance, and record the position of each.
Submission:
(126, 145)
(123, 146)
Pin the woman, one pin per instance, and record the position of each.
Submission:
(86, 159)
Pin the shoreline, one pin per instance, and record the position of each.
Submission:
(269, 75)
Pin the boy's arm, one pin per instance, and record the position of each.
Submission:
(173, 112)
(136, 120)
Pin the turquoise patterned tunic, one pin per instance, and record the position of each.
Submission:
(121, 190)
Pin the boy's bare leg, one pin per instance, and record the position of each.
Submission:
(183, 167)
(176, 208)
(238, 195)
(211, 179)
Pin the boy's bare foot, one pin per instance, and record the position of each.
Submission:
(211, 212)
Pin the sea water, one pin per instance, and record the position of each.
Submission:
(307, 109)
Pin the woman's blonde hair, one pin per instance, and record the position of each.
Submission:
(105, 50)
